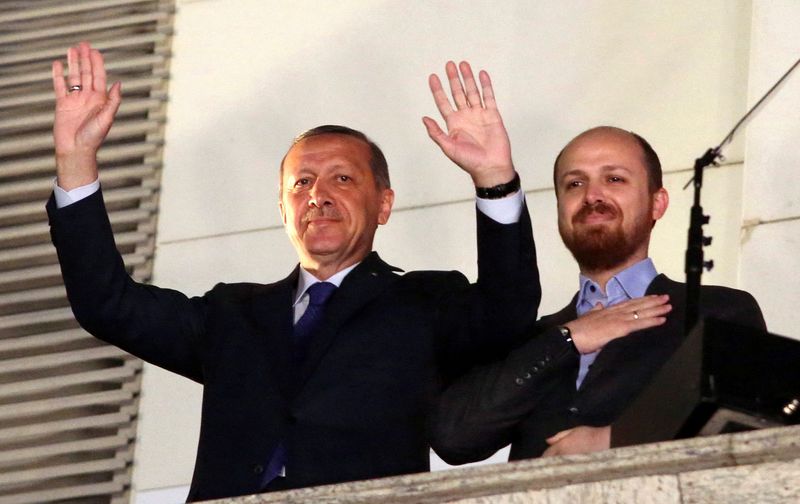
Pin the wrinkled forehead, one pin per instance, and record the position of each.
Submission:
(601, 149)
(328, 147)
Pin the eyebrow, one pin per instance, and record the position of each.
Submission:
(604, 168)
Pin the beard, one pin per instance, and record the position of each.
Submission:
(604, 246)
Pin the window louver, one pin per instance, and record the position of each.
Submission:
(68, 403)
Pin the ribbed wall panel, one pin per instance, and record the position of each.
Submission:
(69, 402)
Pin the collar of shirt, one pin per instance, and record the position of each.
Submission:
(629, 283)
(306, 280)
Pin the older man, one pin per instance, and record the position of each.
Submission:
(559, 392)
(327, 375)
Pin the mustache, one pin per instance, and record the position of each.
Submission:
(323, 212)
(600, 207)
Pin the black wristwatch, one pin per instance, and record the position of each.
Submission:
(500, 190)
(564, 330)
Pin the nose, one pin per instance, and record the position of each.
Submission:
(319, 195)
(594, 193)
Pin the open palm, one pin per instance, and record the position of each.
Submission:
(476, 139)
(84, 113)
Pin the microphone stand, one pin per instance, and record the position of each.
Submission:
(694, 252)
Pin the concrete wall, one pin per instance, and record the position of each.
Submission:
(250, 74)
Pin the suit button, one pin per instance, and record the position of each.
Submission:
(258, 469)
(574, 410)
(527, 376)
(535, 369)
(542, 363)
(519, 381)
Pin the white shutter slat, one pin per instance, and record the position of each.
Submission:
(65, 9)
(31, 431)
(40, 497)
(46, 340)
(44, 120)
(41, 141)
(38, 407)
(107, 154)
(62, 359)
(51, 53)
(95, 466)
(110, 375)
(135, 19)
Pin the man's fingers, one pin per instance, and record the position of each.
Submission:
(646, 323)
(73, 75)
(641, 303)
(85, 62)
(59, 87)
(488, 91)
(551, 451)
(655, 311)
(98, 71)
(435, 132)
(456, 89)
(439, 96)
(111, 106)
(471, 87)
(558, 436)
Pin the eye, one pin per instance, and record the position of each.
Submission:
(302, 182)
(571, 184)
(615, 179)
(344, 178)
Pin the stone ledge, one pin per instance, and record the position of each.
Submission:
(765, 463)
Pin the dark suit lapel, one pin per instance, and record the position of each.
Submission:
(359, 288)
(642, 349)
(561, 317)
(272, 309)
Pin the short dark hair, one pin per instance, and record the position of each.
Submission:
(377, 161)
(651, 161)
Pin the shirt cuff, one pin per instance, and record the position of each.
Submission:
(66, 198)
(504, 210)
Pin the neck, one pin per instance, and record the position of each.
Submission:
(323, 270)
(601, 277)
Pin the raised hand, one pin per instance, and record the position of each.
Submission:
(83, 115)
(476, 139)
(598, 326)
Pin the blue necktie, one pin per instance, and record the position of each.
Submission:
(318, 295)
(304, 329)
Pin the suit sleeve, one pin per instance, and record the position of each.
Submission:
(499, 311)
(479, 413)
(750, 314)
(161, 326)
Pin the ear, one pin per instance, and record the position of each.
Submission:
(660, 203)
(385, 210)
(283, 212)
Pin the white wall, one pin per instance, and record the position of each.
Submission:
(771, 242)
(248, 75)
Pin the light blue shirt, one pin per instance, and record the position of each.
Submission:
(628, 284)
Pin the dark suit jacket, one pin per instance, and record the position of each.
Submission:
(358, 406)
(530, 395)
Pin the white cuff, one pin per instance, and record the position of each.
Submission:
(66, 198)
(503, 210)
